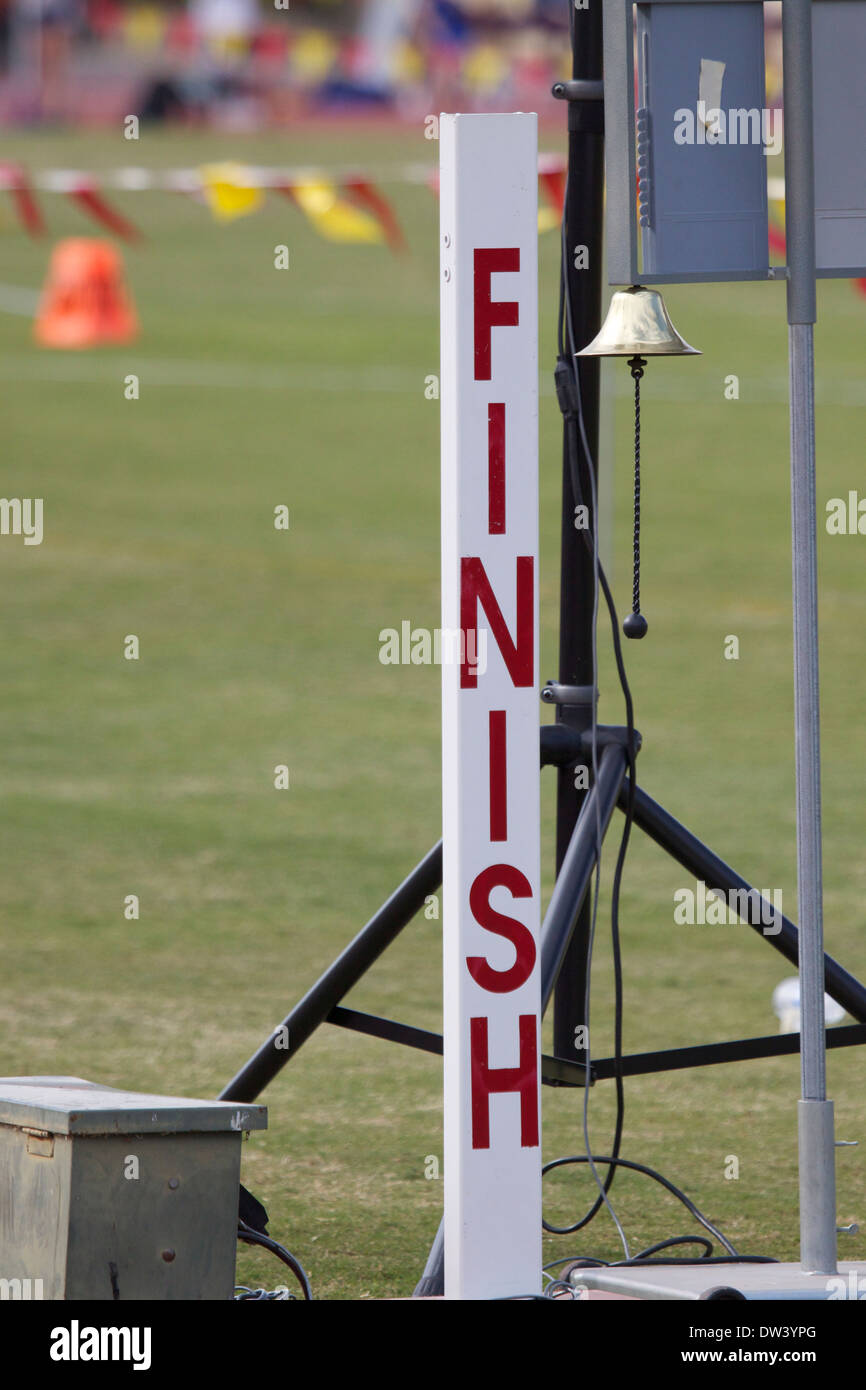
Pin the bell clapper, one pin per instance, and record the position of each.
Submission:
(635, 625)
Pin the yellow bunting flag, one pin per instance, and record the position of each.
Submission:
(548, 218)
(406, 63)
(228, 46)
(144, 27)
(484, 68)
(313, 55)
(229, 191)
(332, 216)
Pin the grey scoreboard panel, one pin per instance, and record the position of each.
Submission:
(700, 94)
(689, 129)
(839, 96)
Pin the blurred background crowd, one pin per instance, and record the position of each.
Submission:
(242, 64)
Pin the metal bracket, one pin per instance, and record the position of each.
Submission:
(585, 97)
(606, 734)
(555, 694)
(578, 89)
(40, 1143)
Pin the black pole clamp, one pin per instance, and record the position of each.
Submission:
(555, 694)
(585, 97)
(579, 89)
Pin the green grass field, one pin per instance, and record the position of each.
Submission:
(258, 647)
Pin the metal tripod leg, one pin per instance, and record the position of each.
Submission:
(337, 980)
(571, 888)
(559, 747)
(687, 850)
(560, 920)
(572, 884)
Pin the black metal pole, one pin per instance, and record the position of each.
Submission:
(583, 229)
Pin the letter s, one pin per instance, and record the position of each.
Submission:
(501, 981)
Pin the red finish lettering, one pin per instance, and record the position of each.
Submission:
(518, 885)
(486, 1080)
(474, 589)
(496, 469)
(491, 313)
(498, 758)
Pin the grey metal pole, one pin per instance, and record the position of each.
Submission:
(816, 1147)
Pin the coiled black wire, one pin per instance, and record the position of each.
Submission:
(252, 1237)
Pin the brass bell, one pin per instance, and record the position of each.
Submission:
(637, 325)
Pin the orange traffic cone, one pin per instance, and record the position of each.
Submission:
(85, 301)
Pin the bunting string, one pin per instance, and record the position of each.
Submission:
(343, 206)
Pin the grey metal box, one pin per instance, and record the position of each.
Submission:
(703, 182)
(703, 188)
(703, 207)
(839, 122)
(115, 1195)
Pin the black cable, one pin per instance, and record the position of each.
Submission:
(581, 1263)
(251, 1237)
(704, 1260)
(677, 1240)
(573, 1259)
(245, 1295)
(614, 1160)
(615, 891)
(558, 1286)
(656, 1177)
(521, 1298)
(572, 407)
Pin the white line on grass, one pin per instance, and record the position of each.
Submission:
(15, 300)
(770, 388)
(50, 366)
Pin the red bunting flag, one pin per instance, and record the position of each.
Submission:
(89, 197)
(553, 183)
(777, 245)
(363, 192)
(777, 240)
(14, 178)
(286, 189)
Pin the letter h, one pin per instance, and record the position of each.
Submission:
(486, 1080)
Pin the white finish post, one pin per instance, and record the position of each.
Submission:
(489, 405)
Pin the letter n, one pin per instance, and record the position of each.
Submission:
(474, 589)
(487, 1080)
